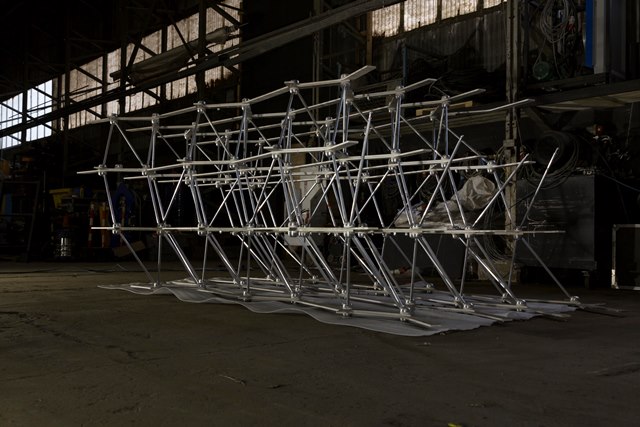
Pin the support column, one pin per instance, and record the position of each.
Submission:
(67, 97)
(124, 65)
(317, 56)
(369, 29)
(511, 141)
(202, 46)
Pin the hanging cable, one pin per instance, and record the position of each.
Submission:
(554, 29)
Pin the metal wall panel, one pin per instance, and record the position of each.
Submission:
(477, 41)
(494, 40)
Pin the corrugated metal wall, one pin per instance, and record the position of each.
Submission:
(494, 40)
(477, 41)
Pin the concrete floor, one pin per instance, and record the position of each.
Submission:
(73, 354)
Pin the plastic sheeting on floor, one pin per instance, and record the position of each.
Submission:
(434, 312)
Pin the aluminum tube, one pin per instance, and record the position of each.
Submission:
(493, 270)
(135, 256)
(365, 146)
(439, 183)
(549, 272)
(500, 190)
(441, 271)
(173, 196)
(135, 153)
(109, 200)
(223, 256)
(535, 194)
(106, 150)
(183, 258)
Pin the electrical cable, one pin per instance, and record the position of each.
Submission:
(554, 33)
(561, 174)
(557, 24)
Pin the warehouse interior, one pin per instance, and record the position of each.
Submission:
(549, 85)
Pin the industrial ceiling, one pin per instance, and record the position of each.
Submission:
(38, 36)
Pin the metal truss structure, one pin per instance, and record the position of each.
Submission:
(282, 183)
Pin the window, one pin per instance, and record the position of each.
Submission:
(87, 80)
(411, 14)
(492, 3)
(10, 115)
(386, 21)
(215, 21)
(39, 103)
(13, 112)
(84, 82)
(185, 30)
(452, 8)
(418, 13)
(189, 30)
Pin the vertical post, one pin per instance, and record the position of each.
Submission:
(202, 45)
(163, 48)
(105, 83)
(317, 58)
(122, 104)
(24, 111)
(600, 41)
(123, 55)
(369, 54)
(405, 64)
(67, 95)
(511, 142)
